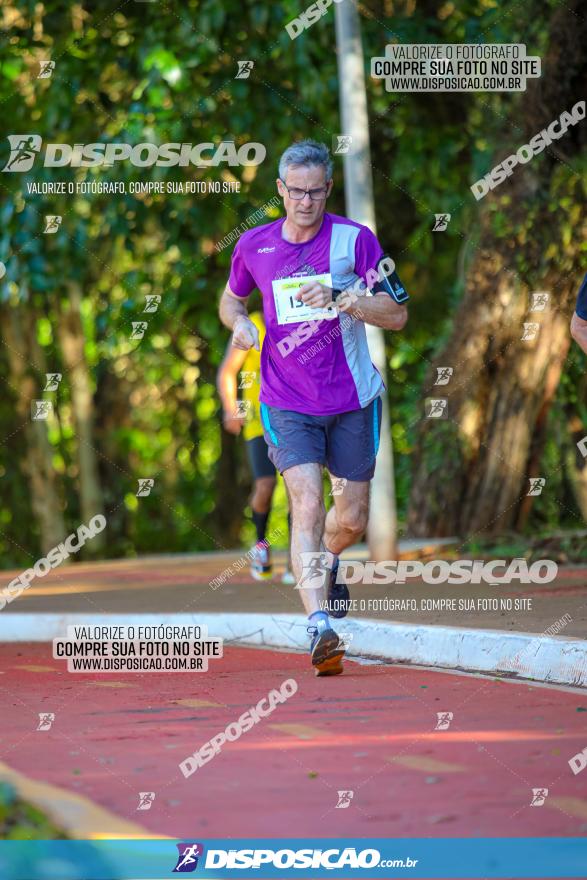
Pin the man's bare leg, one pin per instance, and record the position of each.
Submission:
(304, 488)
(347, 519)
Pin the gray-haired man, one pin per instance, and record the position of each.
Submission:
(320, 393)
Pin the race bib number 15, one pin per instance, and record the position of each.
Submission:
(289, 310)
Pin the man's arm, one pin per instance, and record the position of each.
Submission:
(234, 315)
(579, 331)
(226, 385)
(381, 310)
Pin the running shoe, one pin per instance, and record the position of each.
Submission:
(327, 651)
(339, 598)
(288, 577)
(261, 568)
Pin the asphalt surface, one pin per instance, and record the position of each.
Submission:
(186, 584)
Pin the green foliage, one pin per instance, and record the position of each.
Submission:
(21, 821)
(133, 74)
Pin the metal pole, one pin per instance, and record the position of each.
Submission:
(358, 185)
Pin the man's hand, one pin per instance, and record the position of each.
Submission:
(232, 423)
(315, 295)
(244, 334)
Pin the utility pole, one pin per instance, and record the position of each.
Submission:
(358, 186)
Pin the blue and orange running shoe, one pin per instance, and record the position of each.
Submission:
(327, 651)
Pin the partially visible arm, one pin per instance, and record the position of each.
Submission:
(579, 331)
(381, 310)
(227, 386)
(233, 314)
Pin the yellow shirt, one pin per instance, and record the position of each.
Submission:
(250, 383)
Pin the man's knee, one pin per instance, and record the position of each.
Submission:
(308, 507)
(353, 518)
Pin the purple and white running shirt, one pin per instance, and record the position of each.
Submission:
(330, 372)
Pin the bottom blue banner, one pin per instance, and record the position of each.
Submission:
(417, 858)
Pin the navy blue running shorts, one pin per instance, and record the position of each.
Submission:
(346, 444)
(581, 307)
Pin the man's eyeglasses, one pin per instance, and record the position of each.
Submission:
(317, 195)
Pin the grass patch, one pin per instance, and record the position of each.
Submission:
(21, 821)
(561, 547)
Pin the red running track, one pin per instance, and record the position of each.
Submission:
(370, 731)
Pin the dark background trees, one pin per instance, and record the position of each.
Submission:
(128, 409)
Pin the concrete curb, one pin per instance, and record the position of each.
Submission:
(76, 815)
(551, 659)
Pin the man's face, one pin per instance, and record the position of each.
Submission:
(306, 211)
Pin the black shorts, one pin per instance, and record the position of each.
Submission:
(259, 458)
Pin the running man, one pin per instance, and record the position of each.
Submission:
(579, 320)
(248, 363)
(320, 393)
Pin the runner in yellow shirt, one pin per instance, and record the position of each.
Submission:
(244, 416)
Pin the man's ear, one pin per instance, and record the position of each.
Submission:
(280, 187)
(330, 184)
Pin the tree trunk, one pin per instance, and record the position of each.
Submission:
(27, 380)
(71, 339)
(471, 470)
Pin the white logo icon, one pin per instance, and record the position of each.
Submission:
(23, 151)
(530, 332)
(146, 799)
(344, 799)
(46, 719)
(342, 144)
(138, 329)
(41, 409)
(537, 484)
(244, 69)
(345, 640)
(443, 375)
(145, 487)
(46, 70)
(152, 301)
(52, 381)
(52, 223)
(539, 301)
(247, 378)
(338, 484)
(441, 222)
(436, 408)
(539, 795)
(443, 720)
(242, 408)
(315, 570)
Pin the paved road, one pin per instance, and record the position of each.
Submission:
(370, 731)
(183, 583)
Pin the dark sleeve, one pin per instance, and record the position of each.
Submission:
(581, 308)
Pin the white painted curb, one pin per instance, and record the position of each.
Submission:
(553, 659)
